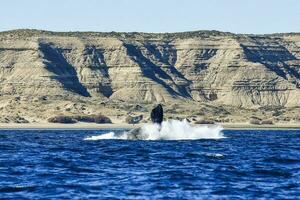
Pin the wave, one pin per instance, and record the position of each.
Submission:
(169, 130)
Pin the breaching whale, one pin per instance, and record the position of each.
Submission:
(157, 116)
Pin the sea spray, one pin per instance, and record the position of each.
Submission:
(169, 130)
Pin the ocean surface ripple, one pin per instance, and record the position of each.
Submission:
(60, 164)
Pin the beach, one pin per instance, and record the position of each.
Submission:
(131, 126)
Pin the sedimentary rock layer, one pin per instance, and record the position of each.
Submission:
(208, 66)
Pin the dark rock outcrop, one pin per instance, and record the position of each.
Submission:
(133, 119)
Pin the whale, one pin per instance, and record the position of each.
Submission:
(156, 115)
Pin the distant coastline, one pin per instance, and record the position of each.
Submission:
(201, 76)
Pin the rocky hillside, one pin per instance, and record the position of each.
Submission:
(195, 68)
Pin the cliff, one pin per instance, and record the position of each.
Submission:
(195, 68)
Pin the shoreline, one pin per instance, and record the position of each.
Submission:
(93, 126)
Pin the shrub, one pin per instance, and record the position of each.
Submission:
(84, 118)
(101, 119)
(62, 119)
(255, 121)
(204, 121)
(268, 121)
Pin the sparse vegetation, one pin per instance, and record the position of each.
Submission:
(255, 121)
(62, 119)
(205, 121)
(21, 33)
(268, 121)
(99, 119)
(258, 121)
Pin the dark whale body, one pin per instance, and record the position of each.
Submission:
(157, 115)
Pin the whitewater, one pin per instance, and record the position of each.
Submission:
(169, 130)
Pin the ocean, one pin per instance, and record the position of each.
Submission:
(76, 164)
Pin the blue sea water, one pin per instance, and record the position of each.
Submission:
(60, 164)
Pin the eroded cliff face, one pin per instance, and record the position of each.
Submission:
(246, 71)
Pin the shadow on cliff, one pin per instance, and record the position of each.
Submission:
(100, 65)
(151, 71)
(273, 60)
(167, 55)
(64, 72)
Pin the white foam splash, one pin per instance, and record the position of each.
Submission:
(169, 130)
(105, 136)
